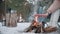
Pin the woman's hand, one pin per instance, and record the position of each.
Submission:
(45, 15)
(42, 15)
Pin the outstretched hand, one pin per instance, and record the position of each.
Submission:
(41, 15)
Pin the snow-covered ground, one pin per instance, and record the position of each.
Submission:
(15, 30)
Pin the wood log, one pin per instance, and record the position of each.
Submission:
(50, 29)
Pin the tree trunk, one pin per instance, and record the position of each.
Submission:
(11, 20)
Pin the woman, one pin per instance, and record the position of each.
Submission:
(54, 6)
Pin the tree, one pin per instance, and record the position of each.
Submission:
(2, 8)
(22, 6)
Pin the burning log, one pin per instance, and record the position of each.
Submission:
(40, 28)
(34, 25)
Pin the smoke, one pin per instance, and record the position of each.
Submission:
(35, 8)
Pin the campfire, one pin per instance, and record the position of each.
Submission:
(39, 27)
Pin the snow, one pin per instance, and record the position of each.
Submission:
(14, 30)
(17, 30)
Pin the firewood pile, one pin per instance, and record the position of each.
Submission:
(35, 26)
